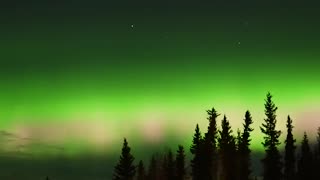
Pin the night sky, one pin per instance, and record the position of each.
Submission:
(78, 76)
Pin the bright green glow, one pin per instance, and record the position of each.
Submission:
(138, 84)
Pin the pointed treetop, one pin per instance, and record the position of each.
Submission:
(225, 132)
(197, 129)
(269, 104)
(268, 127)
(225, 124)
(248, 114)
(305, 137)
(197, 138)
(289, 122)
(125, 168)
(180, 163)
(305, 148)
(212, 114)
(141, 171)
(247, 121)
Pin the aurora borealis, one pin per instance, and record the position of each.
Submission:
(78, 76)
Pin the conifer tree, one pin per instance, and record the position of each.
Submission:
(289, 158)
(227, 150)
(305, 161)
(210, 160)
(180, 164)
(141, 173)
(125, 170)
(153, 170)
(238, 155)
(244, 148)
(272, 161)
(169, 166)
(196, 151)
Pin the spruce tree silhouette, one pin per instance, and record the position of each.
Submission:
(125, 170)
(141, 173)
(169, 166)
(244, 149)
(196, 150)
(180, 164)
(238, 140)
(272, 161)
(153, 171)
(305, 161)
(227, 151)
(290, 156)
(210, 159)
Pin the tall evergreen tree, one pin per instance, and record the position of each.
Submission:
(141, 173)
(210, 160)
(305, 161)
(227, 151)
(238, 155)
(153, 170)
(244, 148)
(196, 151)
(125, 170)
(272, 161)
(180, 164)
(169, 166)
(289, 157)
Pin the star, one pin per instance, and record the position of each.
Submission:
(132, 25)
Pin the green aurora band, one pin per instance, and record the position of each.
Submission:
(84, 84)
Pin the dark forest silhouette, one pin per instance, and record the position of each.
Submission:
(220, 155)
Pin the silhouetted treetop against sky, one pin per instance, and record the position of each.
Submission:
(244, 150)
(219, 154)
(272, 167)
(180, 164)
(227, 151)
(141, 173)
(125, 169)
(222, 155)
(290, 155)
(305, 163)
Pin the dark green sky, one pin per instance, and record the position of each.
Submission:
(83, 74)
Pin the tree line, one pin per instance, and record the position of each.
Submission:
(219, 154)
